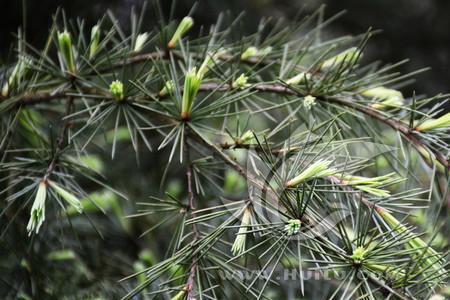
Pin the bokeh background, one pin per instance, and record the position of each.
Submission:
(414, 29)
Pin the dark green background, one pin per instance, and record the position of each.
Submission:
(415, 29)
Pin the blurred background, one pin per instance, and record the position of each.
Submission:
(414, 29)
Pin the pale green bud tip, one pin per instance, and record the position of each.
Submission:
(309, 102)
(15, 77)
(359, 254)
(67, 196)
(182, 28)
(192, 83)
(168, 88)
(442, 122)
(241, 237)
(386, 97)
(141, 39)
(292, 227)
(253, 52)
(37, 215)
(66, 51)
(347, 57)
(116, 90)
(95, 39)
(246, 138)
(241, 82)
(370, 184)
(179, 296)
(319, 169)
(299, 78)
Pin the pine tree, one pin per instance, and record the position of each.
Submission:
(157, 164)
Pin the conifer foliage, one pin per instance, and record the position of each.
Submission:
(183, 162)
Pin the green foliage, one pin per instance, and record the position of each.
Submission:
(154, 164)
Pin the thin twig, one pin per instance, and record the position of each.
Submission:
(191, 205)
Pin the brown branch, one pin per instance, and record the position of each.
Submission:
(397, 125)
(191, 207)
(60, 141)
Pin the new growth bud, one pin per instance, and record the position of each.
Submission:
(192, 83)
(370, 184)
(16, 76)
(240, 83)
(182, 28)
(141, 39)
(241, 237)
(319, 169)
(359, 254)
(385, 97)
(116, 90)
(95, 40)
(210, 60)
(37, 215)
(255, 53)
(292, 227)
(167, 89)
(246, 138)
(346, 58)
(442, 122)
(70, 198)
(66, 51)
(309, 102)
(299, 79)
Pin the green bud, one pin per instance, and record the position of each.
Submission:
(209, 62)
(239, 243)
(192, 83)
(386, 97)
(246, 138)
(180, 295)
(309, 102)
(292, 227)
(369, 184)
(298, 79)
(37, 215)
(253, 52)
(347, 57)
(319, 169)
(141, 39)
(116, 90)
(442, 122)
(66, 51)
(16, 76)
(70, 198)
(169, 87)
(183, 27)
(95, 40)
(240, 83)
(359, 254)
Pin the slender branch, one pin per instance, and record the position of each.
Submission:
(191, 205)
(60, 141)
(397, 125)
(393, 123)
